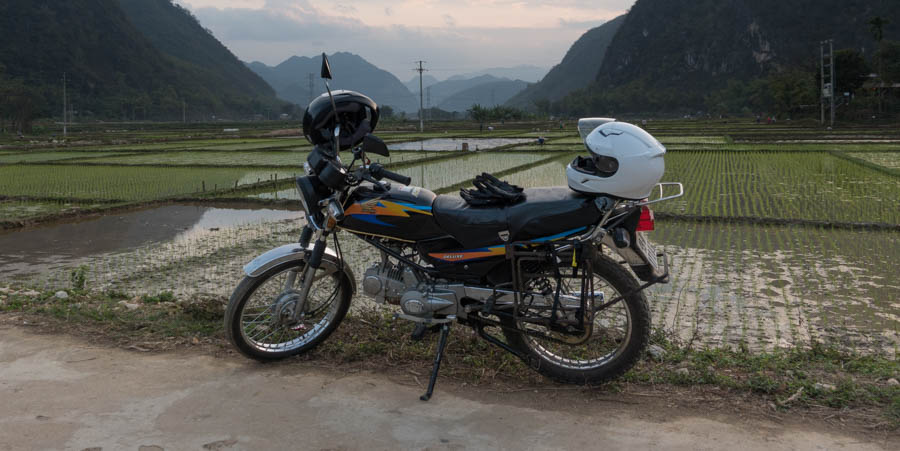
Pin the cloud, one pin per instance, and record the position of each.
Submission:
(274, 30)
(449, 20)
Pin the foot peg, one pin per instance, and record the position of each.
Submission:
(442, 343)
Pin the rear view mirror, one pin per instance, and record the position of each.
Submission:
(326, 68)
(374, 144)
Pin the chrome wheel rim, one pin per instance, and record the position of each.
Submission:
(610, 337)
(265, 316)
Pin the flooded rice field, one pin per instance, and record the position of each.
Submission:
(733, 285)
(446, 144)
(760, 287)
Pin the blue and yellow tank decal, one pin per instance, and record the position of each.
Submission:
(369, 211)
(494, 251)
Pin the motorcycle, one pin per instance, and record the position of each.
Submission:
(527, 263)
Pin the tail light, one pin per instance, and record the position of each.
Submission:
(647, 221)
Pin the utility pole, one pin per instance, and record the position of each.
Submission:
(421, 69)
(311, 78)
(833, 87)
(184, 112)
(828, 87)
(65, 110)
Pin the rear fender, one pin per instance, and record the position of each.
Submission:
(295, 252)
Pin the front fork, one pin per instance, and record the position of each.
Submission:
(309, 270)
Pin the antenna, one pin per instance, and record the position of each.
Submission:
(421, 69)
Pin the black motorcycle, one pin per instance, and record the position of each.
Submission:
(527, 263)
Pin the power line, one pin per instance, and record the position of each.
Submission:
(421, 69)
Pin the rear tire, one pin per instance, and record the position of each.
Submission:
(620, 334)
(256, 320)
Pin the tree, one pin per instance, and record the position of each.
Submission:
(851, 70)
(876, 27)
(478, 114)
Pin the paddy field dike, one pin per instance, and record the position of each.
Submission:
(787, 235)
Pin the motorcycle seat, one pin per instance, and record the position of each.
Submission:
(545, 212)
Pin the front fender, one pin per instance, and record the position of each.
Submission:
(295, 252)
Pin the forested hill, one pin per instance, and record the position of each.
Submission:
(576, 70)
(175, 32)
(670, 55)
(114, 70)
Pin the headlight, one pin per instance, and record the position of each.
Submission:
(310, 195)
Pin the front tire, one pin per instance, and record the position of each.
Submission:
(620, 333)
(258, 320)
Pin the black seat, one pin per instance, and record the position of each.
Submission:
(545, 212)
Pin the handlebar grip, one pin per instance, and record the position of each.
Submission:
(399, 178)
(378, 171)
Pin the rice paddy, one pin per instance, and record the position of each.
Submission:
(786, 235)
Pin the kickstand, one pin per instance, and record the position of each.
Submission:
(442, 343)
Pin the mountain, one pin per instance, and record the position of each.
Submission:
(485, 94)
(113, 69)
(669, 56)
(442, 91)
(578, 68)
(174, 31)
(524, 72)
(413, 83)
(291, 80)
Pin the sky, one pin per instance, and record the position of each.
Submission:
(452, 37)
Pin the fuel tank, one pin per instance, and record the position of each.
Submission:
(401, 213)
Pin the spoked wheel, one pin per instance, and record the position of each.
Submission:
(620, 331)
(259, 320)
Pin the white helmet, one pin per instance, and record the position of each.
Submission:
(625, 162)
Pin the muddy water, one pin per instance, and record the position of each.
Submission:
(58, 245)
(457, 143)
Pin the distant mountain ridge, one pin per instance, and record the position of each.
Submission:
(485, 94)
(525, 72)
(578, 68)
(290, 79)
(413, 83)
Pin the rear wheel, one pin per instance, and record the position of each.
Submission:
(620, 331)
(259, 320)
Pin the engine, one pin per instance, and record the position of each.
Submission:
(398, 284)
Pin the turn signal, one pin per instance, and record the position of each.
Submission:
(646, 223)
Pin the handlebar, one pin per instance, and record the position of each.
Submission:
(379, 172)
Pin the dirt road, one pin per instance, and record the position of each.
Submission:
(58, 392)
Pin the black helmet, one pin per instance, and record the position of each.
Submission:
(357, 113)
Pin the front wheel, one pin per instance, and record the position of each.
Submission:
(259, 319)
(620, 331)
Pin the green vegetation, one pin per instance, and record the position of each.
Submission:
(817, 186)
(757, 58)
(147, 59)
(124, 183)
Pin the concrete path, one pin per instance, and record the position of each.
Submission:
(58, 392)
